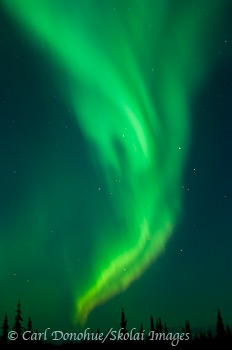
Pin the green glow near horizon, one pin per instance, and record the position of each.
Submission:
(130, 69)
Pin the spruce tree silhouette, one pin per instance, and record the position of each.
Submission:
(203, 340)
(196, 338)
(165, 328)
(209, 335)
(123, 323)
(29, 329)
(152, 325)
(188, 329)
(202, 336)
(5, 328)
(160, 327)
(18, 322)
(157, 326)
(29, 325)
(152, 329)
(220, 330)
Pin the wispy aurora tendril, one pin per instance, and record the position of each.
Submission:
(131, 69)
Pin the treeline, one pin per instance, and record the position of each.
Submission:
(158, 335)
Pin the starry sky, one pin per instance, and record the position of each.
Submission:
(116, 161)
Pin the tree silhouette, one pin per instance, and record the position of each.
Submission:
(159, 327)
(18, 321)
(196, 338)
(123, 323)
(165, 328)
(29, 325)
(204, 338)
(152, 325)
(188, 329)
(209, 335)
(220, 330)
(5, 328)
(152, 329)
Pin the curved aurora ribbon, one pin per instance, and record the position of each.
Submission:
(131, 70)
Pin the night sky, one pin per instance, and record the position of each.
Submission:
(115, 178)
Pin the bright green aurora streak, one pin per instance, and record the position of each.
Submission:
(131, 69)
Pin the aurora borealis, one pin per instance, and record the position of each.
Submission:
(103, 200)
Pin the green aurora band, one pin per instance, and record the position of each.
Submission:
(131, 68)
